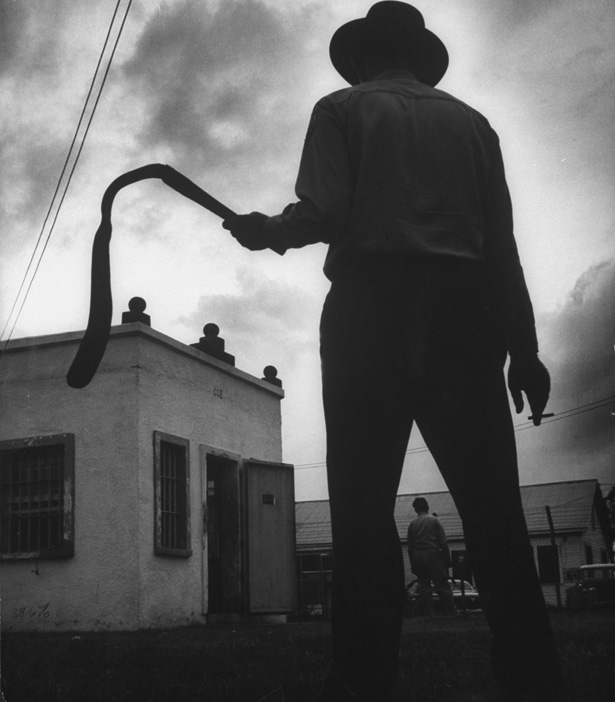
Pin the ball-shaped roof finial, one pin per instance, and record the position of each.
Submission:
(137, 304)
(211, 329)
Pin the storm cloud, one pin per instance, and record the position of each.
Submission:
(225, 87)
(223, 90)
(264, 319)
(580, 338)
(578, 348)
(45, 73)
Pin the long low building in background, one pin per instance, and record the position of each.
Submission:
(581, 531)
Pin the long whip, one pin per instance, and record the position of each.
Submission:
(94, 342)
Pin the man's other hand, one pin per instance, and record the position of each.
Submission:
(528, 375)
(249, 230)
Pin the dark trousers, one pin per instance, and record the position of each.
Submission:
(408, 342)
(430, 568)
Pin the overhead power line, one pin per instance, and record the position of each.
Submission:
(569, 413)
(74, 152)
(566, 414)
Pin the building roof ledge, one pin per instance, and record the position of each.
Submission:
(139, 329)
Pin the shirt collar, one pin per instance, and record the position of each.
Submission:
(395, 73)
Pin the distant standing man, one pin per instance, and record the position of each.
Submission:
(430, 558)
(405, 184)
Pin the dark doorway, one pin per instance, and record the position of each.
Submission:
(223, 536)
(461, 567)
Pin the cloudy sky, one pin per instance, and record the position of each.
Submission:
(222, 90)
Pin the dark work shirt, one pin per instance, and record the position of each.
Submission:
(393, 167)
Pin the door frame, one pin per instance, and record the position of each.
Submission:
(206, 451)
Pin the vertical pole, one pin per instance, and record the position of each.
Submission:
(462, 573)
(558, 589)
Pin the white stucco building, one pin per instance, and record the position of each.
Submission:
(153, 497)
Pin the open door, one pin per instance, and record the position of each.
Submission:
(222, 527)
(270, 523)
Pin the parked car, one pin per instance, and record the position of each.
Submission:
(465, 597)
(595, 587)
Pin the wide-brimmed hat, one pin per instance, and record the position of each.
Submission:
(389, 26)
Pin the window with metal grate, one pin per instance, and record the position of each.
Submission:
(37, 497)
(171, 490)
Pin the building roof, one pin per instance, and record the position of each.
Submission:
(135, 329)
(571, 504)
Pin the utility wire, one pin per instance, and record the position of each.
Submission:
(64, 168)
(68, 155)
(550, 420)
(529, 511)
(580, 409)
(74, 166)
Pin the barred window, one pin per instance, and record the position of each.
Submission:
(171, 493)
(313, 583)
(37, 497)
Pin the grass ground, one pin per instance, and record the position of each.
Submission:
(441, 658)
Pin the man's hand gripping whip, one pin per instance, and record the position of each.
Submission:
(94, 342)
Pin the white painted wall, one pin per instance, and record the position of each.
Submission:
(146, 382)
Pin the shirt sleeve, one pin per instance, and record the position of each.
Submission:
(324, 188)
(505, 273)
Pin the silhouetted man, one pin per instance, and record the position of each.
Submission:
(430, 558)
(405, 183)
